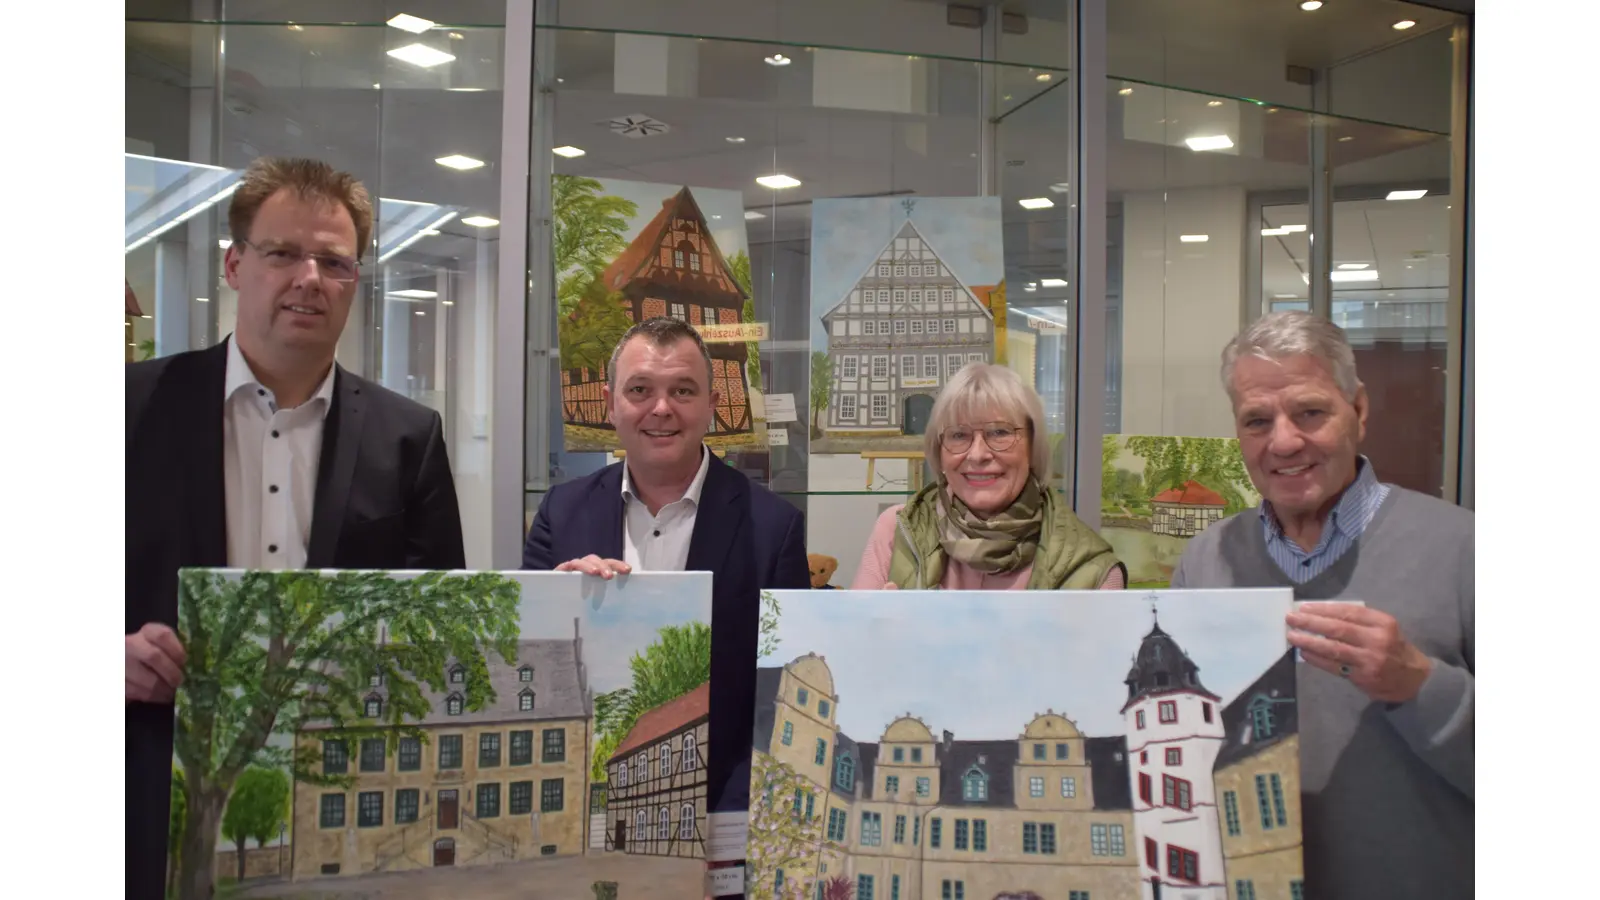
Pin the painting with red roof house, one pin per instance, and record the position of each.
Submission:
(1158, 492)
(627, 251)
(428, 734)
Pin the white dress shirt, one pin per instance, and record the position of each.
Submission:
(660, 543)
(269, 468)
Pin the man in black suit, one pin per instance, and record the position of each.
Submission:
(262, 453)
(671, 505)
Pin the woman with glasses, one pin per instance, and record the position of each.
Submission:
(990, 520)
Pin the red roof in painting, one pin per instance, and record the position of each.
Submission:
(130, 303)
(637, 258)
(1193, 493)
(666, 719)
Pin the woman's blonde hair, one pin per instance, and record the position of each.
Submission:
(984, 389)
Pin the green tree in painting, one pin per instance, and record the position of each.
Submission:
(589, 225)
(739, 265)
(270, 652)
(175, 820)
(782, 836)
(821, 388)
(258, 806)
(770, 611)
(1169, 462)
(590, 228)
(677, 662)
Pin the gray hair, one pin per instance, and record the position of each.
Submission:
(661, 331)
(979, 388)
(1295, 333)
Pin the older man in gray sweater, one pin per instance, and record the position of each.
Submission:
(1386, 692)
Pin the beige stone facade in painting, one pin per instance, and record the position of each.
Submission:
(1257, 778)
(507, 782)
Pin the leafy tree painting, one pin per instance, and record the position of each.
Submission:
(175, 820)
(770, 611)
(589, 233)
(739, 265)
(258, 806)
(677, 662)
(781, 835)
(270, 652)
(1169, 462)
(821, 388)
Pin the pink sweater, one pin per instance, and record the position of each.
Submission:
(873, 572)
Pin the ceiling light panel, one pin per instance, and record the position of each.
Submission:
(421, 55)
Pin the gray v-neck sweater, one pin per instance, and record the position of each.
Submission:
(1386, 792)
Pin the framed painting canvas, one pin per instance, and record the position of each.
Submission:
(420, 733)
(1026, 744)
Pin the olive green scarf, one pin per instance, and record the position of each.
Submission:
(1004, 542)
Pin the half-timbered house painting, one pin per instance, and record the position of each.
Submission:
(898, 311)
(675, 264)
(657, 778)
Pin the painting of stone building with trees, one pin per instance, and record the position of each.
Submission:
(412, 733)
(1158, 492)
(627, 251)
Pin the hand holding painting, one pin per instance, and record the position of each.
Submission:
(1363, 645)
(594, 565)
(154, 658)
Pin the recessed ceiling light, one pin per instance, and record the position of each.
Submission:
(457, 36)
(1351, 267)
(568, 152)
(421, 55)
(1274, 232)
(202, 299)
(1209, 142)
(1346, 139)
(224, 243)
(294, 27)
(414, 294)
(480, 221)
(778, 59)
(1125, 91)
(421, 313)
(751, 215)
(376, 86)
(430, 232)
(1059, 187)
(735, 139)
(1036, 203)
(1403, 24)
(1285, 297)
(1052, 282)
(1311, 5)
(466, 90)
(147, 316)
(448, 302)
(1407, 195)
(413, 24)
(1194, 238)
(1031, 286)
(459, 162)
(1294, 229)
(1214, 103)
(1042, 76)
(1363, 275)
(714, 216)
(778, 182)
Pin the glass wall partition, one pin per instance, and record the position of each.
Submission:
(415, 113)
(891, 204)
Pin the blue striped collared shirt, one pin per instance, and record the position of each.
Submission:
(1350, 517)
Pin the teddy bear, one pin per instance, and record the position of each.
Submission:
(822, 569)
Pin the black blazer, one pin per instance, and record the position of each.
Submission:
(385, 499)
(747, 537)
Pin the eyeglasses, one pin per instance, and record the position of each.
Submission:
(332, 267)
(997, 436)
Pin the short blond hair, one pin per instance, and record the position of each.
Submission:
(985, 388)
(310, 179)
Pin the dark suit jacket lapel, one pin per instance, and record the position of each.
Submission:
(336, 466)
(195, 409)
(720, 516)
(605, 504)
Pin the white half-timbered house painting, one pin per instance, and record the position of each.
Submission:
(905, 326)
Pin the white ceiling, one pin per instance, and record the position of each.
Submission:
(310, 91)
(1407, 242)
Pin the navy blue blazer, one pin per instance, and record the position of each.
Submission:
(747, 537)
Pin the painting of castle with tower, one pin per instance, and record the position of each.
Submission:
(1039, 745)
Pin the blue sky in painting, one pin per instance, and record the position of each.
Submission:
(848, 234)
(983, 664)
(617, 618)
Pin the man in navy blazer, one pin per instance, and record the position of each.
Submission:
(673, 506)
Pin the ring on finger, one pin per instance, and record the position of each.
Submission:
(1344, 671)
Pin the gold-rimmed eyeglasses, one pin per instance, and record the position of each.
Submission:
(333, 267)
(997, 436)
